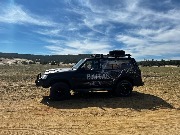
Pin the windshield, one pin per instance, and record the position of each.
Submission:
(76, 66)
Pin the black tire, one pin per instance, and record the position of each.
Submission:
(124, 88)
(59, 91)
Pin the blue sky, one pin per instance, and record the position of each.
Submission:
(148, 29)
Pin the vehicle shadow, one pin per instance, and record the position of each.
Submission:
(136, 101)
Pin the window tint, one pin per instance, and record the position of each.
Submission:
(91, 65)
(115, 64)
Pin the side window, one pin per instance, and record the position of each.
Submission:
(126, 65)
(91, 65)
(115, 64)
(109, 64)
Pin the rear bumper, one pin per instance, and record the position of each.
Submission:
(138, 82)
(142, 83)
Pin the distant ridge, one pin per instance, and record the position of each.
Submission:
(66, 59)
(44, 59)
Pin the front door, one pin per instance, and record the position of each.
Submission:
(90, 75)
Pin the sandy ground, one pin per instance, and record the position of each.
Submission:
(152, 109)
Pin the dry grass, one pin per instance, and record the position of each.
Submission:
(152, 109)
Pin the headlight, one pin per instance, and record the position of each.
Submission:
(44, 76)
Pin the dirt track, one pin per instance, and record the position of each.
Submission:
(152, 109)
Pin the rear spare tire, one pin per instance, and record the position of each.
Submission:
(59, 91)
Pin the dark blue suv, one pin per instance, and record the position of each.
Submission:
(115, 72)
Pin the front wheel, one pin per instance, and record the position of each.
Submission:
(124, 88)
(59, 91)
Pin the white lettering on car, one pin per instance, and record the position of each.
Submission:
(88, 77)
(97, 76)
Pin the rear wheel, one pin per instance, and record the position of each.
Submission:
(124, 88)
(59, 91)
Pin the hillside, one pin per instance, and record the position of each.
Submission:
(44, 59)
(15, 58)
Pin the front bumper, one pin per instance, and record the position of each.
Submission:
(42, 82)
(38, 81)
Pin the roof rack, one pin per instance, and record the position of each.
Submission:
(119, 56)
(97, 55)
(114, 53)
(118, 53)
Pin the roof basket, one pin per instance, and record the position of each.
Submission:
(118, 53)
(114, 53)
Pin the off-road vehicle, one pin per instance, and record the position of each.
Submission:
(115, 72)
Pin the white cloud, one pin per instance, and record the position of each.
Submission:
(161, 49)
(50, 32)
(130, 41)
(172, 35)
(130, 13)
(151, 32)
(52, 41)
(91, 24)
(149, 46)
(139, 29)
(17, 15)
(163, 34)
(147, 32)
(79, 47)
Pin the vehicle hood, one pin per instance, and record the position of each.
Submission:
(57, 70)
